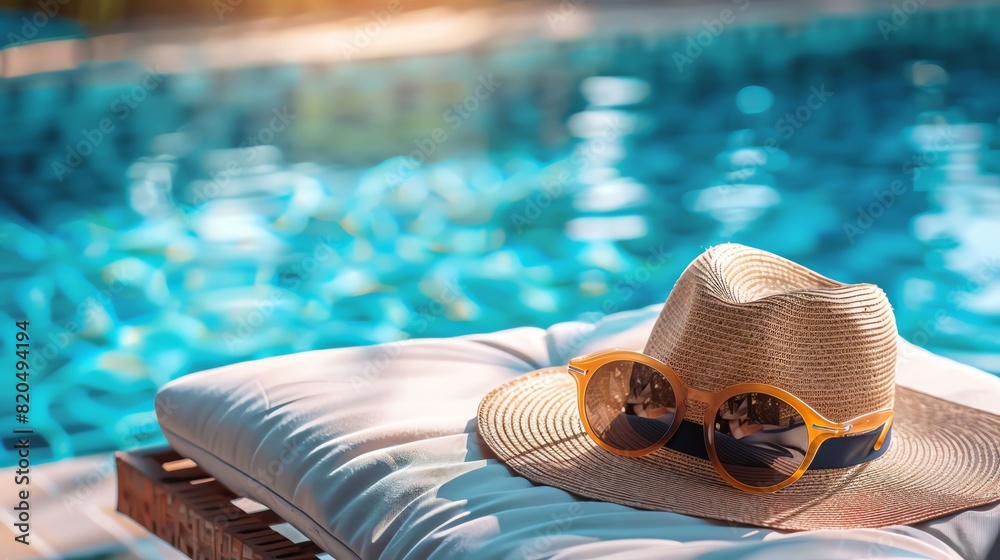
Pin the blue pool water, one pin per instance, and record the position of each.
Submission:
(159, 224)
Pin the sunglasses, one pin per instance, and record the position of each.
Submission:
(759, 438)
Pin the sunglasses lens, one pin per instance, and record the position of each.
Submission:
(760, 439)
(630, 406)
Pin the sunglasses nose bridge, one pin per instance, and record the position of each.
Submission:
(698, 395)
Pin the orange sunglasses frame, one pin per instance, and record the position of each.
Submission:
(820, 429)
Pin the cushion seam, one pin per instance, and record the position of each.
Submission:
(262, 485)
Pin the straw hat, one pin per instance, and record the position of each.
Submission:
(740, 315)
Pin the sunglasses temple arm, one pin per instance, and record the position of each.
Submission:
(577, 373)
(870, 422)
(884, 434)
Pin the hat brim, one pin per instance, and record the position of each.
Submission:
(943, 458)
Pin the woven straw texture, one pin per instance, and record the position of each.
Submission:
(737, 315)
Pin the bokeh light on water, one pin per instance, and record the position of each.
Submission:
(238, 213)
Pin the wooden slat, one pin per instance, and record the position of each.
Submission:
(198, 519)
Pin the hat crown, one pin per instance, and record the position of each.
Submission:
(742, 315)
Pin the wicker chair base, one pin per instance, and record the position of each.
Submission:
(183, 505)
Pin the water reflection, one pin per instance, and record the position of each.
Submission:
(582, 186)
(604, 129)
(953, 306)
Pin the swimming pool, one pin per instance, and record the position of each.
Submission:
(158, 224)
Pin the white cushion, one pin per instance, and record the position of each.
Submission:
(372, 452)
